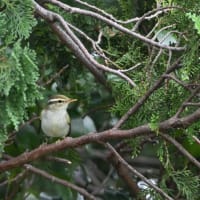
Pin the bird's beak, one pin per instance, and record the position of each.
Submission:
(72, 100)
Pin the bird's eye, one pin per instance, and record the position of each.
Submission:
(59, 101)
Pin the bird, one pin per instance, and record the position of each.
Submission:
(55, 120)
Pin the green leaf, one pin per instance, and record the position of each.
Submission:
(18, 86)
(17, 20)
(154, 123)
(196, 20)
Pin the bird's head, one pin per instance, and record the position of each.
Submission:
(59, 102)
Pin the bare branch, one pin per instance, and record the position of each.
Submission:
(147, 16)
(95, 45)
(153, 30)
(94, 8)
(69, 42)
(191, 104)
(70, 9)
(156, 58)
(75, 44)
(152, 14)
(131, 68)
(99, 37)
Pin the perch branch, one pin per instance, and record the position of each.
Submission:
(111, 134)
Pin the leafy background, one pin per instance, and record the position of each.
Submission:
(31, 54)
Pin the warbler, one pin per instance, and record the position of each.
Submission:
(55, 120)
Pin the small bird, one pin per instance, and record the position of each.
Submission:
(55, 120)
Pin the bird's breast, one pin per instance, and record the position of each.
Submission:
(54, 123)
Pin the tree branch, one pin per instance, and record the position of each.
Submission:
(123, 172)
(59, 181)
(134, 171)
(191, 104)
(181, 149)
(111, 134)
(110, 22)
(169, 76)
(70, 39)
(196, 139)
(147, 16)
(184, 104)
(55, 76)
(144, 98)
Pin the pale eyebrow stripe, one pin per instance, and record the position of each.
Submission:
(55, 100)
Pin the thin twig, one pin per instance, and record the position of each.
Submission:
(153, 29)
(59, 181)
(53, 16)
(162, 29)
(100, 187)
(109, 22)
(15, 180)
(100, 11)
(43, 173)
(181, 149)
(131, 68)
(183, 106)
(156, 58)
(191, 104)
(147, 16)
(169, 76)
(150, 15)
(99, 37)
(144, 98)
(95, 45)
(196, 139)
(55, 76)
(57, 159)
(12, 135)
(169, 59)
